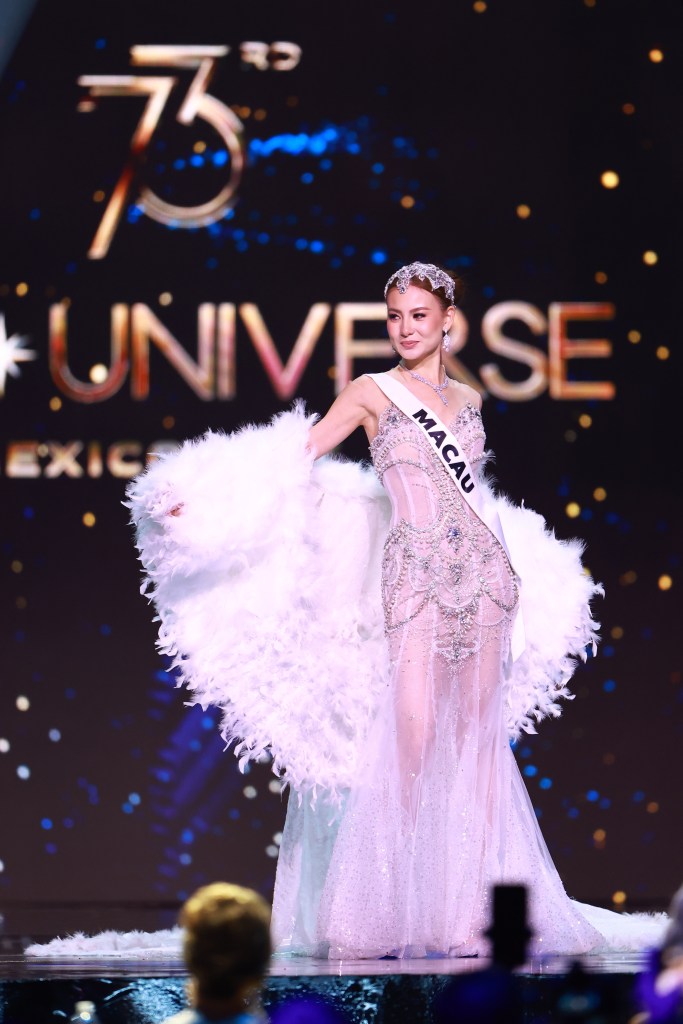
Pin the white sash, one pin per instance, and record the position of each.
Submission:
(452, 457)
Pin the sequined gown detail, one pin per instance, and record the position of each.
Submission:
(440, 812)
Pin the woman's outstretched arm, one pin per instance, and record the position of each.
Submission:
(351, 409)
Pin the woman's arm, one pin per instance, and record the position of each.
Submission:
(351, 409)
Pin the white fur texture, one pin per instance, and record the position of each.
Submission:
(621, 933)
(260, 584)
(267, 588)
(136, 945)
(555, 605)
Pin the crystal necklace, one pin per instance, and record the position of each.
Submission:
(438, 388)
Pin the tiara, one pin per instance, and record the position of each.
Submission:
(436, 277)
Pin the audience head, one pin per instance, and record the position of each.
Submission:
(227, 940)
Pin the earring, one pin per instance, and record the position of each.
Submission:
(446, 343)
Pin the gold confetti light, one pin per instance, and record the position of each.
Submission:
(21, 289)
(17, 566)
(98, 197)
(55, 403)
(627, 578)
(407, 202)
(616, 632)
(619, 898)
(650, 257)
(599, 493)
(523, 211)
(609, 179)
(168, 422)
(23, 703)
(89, 519)
(260, 114)
(165, 299)
(634, 337)
(665, 582)
(292, 101)
(656, 56)
(21, 603)
(199, 147)
(663, 352)
(573, 509)
(600, 277)
(599, 837)
(585, 420)
(652, 807)
(98, 373)
(628, 109)
(589, 3)
(479, 6)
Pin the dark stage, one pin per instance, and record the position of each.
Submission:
(33, 991)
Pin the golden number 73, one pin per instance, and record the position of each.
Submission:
(196, 104)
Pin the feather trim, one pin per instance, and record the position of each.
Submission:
(267, 591)
(258, 613)
(555, 598)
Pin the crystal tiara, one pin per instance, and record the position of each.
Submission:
(436, 277)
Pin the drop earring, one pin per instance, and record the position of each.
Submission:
(446, 343)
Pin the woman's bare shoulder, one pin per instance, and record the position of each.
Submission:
(469, 394)
(368, 394)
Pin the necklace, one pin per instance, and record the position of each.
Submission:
(438, 388)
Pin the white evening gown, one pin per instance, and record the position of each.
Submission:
(439, 812)
(406, 804)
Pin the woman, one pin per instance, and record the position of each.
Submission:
(440, 811)
(390, 721)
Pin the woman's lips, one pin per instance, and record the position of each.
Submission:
(409, 344)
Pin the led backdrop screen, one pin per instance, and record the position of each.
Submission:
(200, 206)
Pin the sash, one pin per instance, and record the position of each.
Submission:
(452, 457)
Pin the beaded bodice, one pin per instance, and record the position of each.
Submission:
(438, 552)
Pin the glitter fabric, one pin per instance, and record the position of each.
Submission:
(423, 272)
(441, 812)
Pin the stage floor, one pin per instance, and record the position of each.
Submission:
(125, 991)
(15, 966)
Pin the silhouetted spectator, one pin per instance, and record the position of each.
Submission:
(660, 986)
(227, 950)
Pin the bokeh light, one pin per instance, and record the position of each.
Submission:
(609, 179)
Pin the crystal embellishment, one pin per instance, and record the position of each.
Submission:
(423, 272)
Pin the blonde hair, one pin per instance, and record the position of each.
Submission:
(227, 938)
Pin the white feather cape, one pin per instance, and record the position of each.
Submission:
(267, 589)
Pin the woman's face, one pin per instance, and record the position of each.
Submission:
(416, 321)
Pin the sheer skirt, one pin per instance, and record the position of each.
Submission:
(439, 812)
